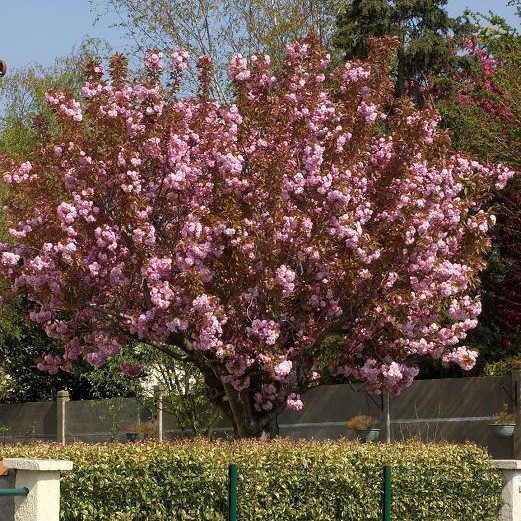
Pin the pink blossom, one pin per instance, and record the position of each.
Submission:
(286, 278)
(463, 356)
(238, 68)
(154, 61)
(283, 369)
(294, 402)
(179, 60)
(131, 370)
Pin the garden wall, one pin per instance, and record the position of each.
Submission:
(455, 410)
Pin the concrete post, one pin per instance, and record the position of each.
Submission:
(387, 417)
(42, 478)
(516, 393)
(61, 399)
(160, 393)
(511, 494)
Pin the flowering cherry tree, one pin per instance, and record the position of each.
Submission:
(248, 234)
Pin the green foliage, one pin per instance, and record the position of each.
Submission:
(186, 394)
(23, 343)
(283, 480)
(421, 27)
(499, 368)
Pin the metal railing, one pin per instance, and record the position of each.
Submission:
(23, 491)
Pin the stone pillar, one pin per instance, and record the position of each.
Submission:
(516, 393)
(511, 494)
(160, 393)
(42, 479)
(62, 399)
(386, 413)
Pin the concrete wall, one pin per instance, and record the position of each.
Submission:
(28, 421)
(455, 410)
(102, 420)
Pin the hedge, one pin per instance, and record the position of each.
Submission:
(280, 480)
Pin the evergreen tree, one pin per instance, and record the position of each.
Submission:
(423, 28)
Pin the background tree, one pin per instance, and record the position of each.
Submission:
(186, 395)
(481, 104)
(224, 27)
(422, 27)
(244, 235)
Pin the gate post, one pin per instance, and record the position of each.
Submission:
(511, 493)
(41, 478)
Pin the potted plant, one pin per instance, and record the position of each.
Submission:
(504, 422)
(364, 427)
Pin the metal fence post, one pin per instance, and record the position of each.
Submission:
(386, 494)
(233, 475)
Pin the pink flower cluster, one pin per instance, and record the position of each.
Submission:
(238, 68)
(21, 174)
(179, 60)
(153, 61)
(294, 402)
(286, 278)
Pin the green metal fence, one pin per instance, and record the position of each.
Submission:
(386, 494)
(307, 491)
(233, 485)
(398, 493)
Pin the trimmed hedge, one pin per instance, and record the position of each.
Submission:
(280, 480)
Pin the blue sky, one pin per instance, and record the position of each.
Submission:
(40, 30)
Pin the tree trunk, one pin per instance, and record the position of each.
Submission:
(248, 423)
(237, 406)
(271, 430)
